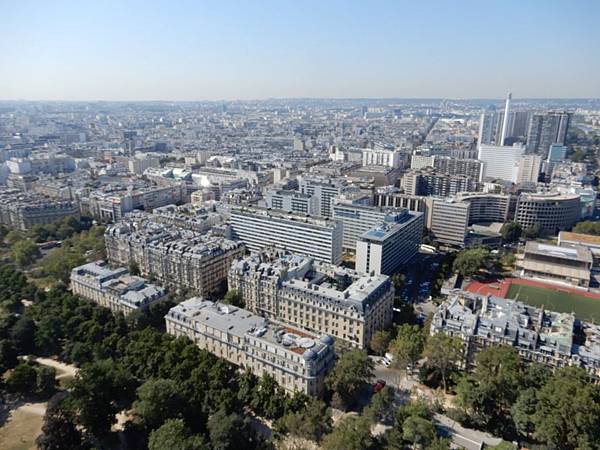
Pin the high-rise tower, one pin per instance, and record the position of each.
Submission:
(506, 119)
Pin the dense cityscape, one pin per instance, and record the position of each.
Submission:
(232, 226)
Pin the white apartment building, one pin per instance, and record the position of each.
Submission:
(529, 168)
(380, 156)
(115, 289)
(292, 201)
(297, 360)
(390, 245)
(315, 296)
(261, 229)
(501, 161)
(359, 218)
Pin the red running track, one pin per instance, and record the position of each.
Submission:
(499, 288)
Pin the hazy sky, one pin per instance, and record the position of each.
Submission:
(195, 50)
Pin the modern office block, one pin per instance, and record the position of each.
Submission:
(449, 221)
(529, 169)
(486, 208)
(323, 189)
(262, 229)
(390, 245)
(292, 201)
(546, 129)
(552, 211)
(501, 161)
(357, 219)
(379, 156)
(297, 360)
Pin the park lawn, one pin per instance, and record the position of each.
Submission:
(24, 426)
(587, 309)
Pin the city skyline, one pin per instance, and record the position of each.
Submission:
(193, 52)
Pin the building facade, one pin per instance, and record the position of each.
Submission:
(115, 289)
(566, 264)
(176, 257)
(449, 221)
(551, 211)
(540, 336)
(261, 229)
(315, 296)
(297, 360)
(390, 245)
(25, 210)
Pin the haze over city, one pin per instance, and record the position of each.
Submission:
(186, 50)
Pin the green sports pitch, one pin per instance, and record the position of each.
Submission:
(587, 309)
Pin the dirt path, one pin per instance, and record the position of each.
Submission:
(63, 370)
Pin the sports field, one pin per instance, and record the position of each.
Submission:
(585, 308)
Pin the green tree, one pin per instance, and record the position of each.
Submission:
(8, 355)
(159, 400)
(380, 341)
(398, 280)
(533, 232)
(175, 435)
(351, 433)
(352, 371)
(443, 354)
(22, 379)
(97, 391)
(568, 411)
(418, 431)
(59, 429)
(268, 398)
(311, 422)
(408, 346)
(24, 252)
(587, 227)
(440, 443)
(45, 382)
(22, 335)
(231, 432)
(381, 407)
(14, 236)
(234, 298)
(511, 231)
(134, 268)
(523, 410)
(469, 262)
(488, 394)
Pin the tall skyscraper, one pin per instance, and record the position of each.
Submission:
(494, 130)
(505, 119)
(546, 129)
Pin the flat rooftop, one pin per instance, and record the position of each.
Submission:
(573, 253)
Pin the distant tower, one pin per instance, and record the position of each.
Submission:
(506, 119)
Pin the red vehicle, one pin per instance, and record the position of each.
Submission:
(378, 386)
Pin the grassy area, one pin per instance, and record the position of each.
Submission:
(25, 425)
(585, 308)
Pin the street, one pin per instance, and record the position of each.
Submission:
(408, 387)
